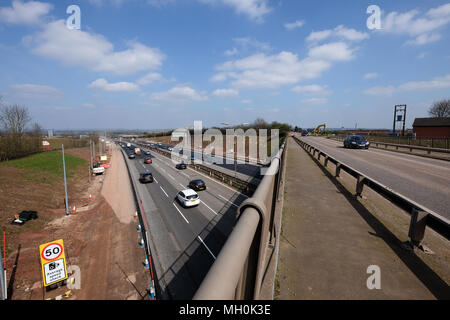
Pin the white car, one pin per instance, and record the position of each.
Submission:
(188, 198)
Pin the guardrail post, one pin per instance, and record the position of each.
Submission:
(338, 170)
(360, 185)
(326, 161)
(417, 226)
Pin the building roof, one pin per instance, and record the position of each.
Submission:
(432, 122)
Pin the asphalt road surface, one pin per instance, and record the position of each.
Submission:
(184, 241)
(250, 172)
(423, 180)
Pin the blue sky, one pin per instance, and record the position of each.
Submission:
(151, 64)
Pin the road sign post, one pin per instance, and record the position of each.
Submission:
(53, 262)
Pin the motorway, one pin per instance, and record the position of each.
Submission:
(245, 171)
(423, 180)
(184, 242)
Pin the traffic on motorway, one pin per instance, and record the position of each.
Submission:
(190, 217)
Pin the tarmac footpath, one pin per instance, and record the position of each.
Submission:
(329, 249)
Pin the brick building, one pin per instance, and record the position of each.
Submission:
(432, 127)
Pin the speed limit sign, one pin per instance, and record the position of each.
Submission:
(53, 262)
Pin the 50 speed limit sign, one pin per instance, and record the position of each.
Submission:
(53, 262)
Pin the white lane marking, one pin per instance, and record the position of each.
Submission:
(155, 180)
(206, 247)
(228, 200)
(206, 176)
(181, 185)
(209, 208)
(180, 212)
(171, 176)
(164, 192)
(184, 174)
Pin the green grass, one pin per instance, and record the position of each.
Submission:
(46, 166)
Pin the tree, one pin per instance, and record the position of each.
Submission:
(440, 109)
(14, 120)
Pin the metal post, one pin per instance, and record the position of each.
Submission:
(90, 159)
(404, 120)
(3, 288)
(395, 119)
(65, 181)
(417, 226)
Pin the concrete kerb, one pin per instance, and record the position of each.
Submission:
(143, 226)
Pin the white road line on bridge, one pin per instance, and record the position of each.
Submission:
(164, 191)
(155, 180)
(181, 185)
(209, 207)
(228, 200)
(180, 213)
(201, 240)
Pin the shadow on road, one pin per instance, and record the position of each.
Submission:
(188, 270)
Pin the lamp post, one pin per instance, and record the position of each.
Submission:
(65, 181)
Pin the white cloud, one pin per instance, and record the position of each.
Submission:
(340, 32)
(316, 101)
(335, 51)
(34, 91)
(371, 75)
(294, 25)
(311, 89)
(149, 78)
(225, 93)
(254, 9)
(422, 29)
(273, 71)
(28, 13)
(231, 52)
(93, 51)
(436, 83)
(104, 85)
(384, 91)
(180, 93)
(247, 101)
(247, 44)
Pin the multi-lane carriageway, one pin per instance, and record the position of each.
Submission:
(424, 180)
(184, 241)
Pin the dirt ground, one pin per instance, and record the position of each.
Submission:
(101, 238)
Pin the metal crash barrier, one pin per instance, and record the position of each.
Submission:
(421, 217)
(238, 271)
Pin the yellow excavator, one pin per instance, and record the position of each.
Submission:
(317, 130)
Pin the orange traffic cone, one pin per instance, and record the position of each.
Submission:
(90, 196)
(74, 210)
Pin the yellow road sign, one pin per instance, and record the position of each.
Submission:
(53, 262)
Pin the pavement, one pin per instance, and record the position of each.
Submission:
(330, 242)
